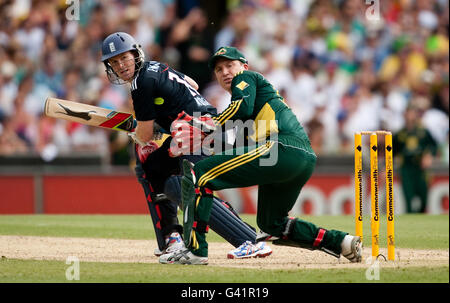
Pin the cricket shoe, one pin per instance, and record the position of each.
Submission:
(174, 243)
(157, 252)
(352, 248)
(250, 250)
(185, 257)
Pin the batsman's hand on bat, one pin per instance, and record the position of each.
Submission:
(144, 151)
(157, 135)
(135, 138)
(188, 133)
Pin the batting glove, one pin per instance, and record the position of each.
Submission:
(144, 151)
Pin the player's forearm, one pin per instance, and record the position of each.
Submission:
(144, 131)
(191, 82)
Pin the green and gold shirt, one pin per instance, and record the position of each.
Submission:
(254, 98)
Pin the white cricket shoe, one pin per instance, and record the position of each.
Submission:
(183, 257)
(352, 248)
(158, 252)
(174, 244)
(250, 250)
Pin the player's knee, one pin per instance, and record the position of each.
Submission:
(198, 171)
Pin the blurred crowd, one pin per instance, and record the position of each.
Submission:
(342, 66)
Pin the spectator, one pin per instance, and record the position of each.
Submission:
(8, 88)
(367, 72)
(10, 143)
(414, 147)
(302, 88)
(49, 76)
(315, 131)
(194, 40)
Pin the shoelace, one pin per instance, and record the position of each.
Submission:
(247, 247)
(179, 255)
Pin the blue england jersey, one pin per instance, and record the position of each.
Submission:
(160, 93)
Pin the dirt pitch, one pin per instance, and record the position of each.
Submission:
(141, 251)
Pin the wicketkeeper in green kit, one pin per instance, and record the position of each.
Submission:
(276, 131)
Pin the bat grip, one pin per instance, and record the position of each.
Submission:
(133, 128)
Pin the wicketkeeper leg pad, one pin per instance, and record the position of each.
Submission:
(223, 218)
(291, 238)
(188, 201)
(199, 202)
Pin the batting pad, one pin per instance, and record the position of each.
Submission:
(227, 224)
(223, 219)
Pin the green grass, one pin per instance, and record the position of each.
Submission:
(88, 226)
(26, 271)
(411, 231)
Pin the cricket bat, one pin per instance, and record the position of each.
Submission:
(102, 117)
(89, 114)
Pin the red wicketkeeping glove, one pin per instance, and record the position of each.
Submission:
(186, 141)
(188, 133)
(205, 123)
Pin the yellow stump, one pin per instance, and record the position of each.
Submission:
(390, 197)
(375, 218)
(358, 187)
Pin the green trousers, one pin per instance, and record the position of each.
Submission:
(414, 183)
(280, 171)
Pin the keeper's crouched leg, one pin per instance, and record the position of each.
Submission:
(223, 220)
(197, 203)
(300, 233)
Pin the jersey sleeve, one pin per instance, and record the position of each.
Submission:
(144, 107)
(243, 94)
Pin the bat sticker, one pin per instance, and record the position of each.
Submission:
(121, 121)
(81, 115)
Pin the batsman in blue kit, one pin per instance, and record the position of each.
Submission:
(162, 95)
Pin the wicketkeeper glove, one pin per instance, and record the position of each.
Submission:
(188, 133)
(205, 123)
